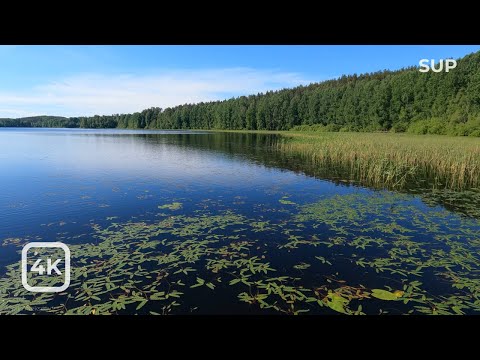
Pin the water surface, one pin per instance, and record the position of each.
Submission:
(182, 222)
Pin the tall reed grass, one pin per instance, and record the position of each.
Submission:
(391, 160)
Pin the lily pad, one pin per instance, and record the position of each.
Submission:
(337, 303)
(385, 295)
(172, 206)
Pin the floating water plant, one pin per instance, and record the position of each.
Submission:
(172, 206)
(361, 253)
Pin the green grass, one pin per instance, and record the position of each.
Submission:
(391, 160)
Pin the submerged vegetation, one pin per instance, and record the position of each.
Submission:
(200, 247)
(360, 254)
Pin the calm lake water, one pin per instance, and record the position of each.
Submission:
(174, 222)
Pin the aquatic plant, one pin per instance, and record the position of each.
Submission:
(390, 160)
(172, 206)
(355, 254)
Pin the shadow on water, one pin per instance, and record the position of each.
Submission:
(262, 150)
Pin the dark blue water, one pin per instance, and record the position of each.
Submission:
(57, 183)
(48, 176)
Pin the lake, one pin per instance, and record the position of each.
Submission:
(177, 222)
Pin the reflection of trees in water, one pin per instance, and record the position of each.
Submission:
(260, 149)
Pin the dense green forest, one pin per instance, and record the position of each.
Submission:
(399, 101)
(40, 121)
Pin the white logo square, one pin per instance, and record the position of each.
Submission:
(48, 289)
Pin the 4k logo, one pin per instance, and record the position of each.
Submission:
(41, 270)
(51, 266)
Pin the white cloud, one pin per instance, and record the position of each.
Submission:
(90, 94)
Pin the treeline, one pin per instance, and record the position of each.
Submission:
(40, 121)
(94, 122)
(403, 100)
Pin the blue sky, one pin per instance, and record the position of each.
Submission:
(89, 80)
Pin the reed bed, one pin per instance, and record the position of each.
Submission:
(392, 160)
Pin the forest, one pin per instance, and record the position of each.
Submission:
(405, 100)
